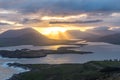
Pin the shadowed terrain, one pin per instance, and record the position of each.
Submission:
(27, 36)
(101, 70)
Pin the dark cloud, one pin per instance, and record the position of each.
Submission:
(90, 5)
(101, 28)
(76, 22)
(61, 6)
(3, 24)
(27, 21)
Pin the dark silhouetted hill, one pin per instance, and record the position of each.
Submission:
(114, 38)
(26, 36)
(89, 35)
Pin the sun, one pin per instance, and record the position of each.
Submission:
(54, 30)
(55, 33)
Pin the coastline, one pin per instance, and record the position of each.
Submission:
(100, 70)
(16, 68)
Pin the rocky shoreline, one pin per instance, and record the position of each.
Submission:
(94, 70)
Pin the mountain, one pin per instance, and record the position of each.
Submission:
(89, 35)
(16, 33)
(26, 36)
(79, 34)
(114, 38)
(95, 35)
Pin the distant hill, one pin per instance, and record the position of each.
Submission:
(114, 38)
(89, 35)
(77, 34)
(96, 35)
(26, 36)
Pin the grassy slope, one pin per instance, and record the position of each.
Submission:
(104, 70)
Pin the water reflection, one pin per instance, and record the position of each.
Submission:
(102, 51)
(53, 47)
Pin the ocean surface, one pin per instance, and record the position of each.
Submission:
(102, 51)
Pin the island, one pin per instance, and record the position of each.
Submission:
(78, 44)
(26, 53)
(94, 70)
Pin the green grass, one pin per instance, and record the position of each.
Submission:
(87, 71)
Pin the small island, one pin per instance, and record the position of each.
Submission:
(26, 53)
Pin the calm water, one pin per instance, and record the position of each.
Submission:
(54, 47)
(102, 51)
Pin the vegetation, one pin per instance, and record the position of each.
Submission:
(26, 53)
(95, 70)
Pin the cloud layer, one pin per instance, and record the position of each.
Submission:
(61, 6)
(42, 13)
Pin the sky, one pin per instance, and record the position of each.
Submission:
(71, 14)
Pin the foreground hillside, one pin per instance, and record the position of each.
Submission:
(103, 70)
(26, 36)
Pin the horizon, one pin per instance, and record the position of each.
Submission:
(58, 32)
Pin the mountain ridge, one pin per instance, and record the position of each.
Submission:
(27, 36)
